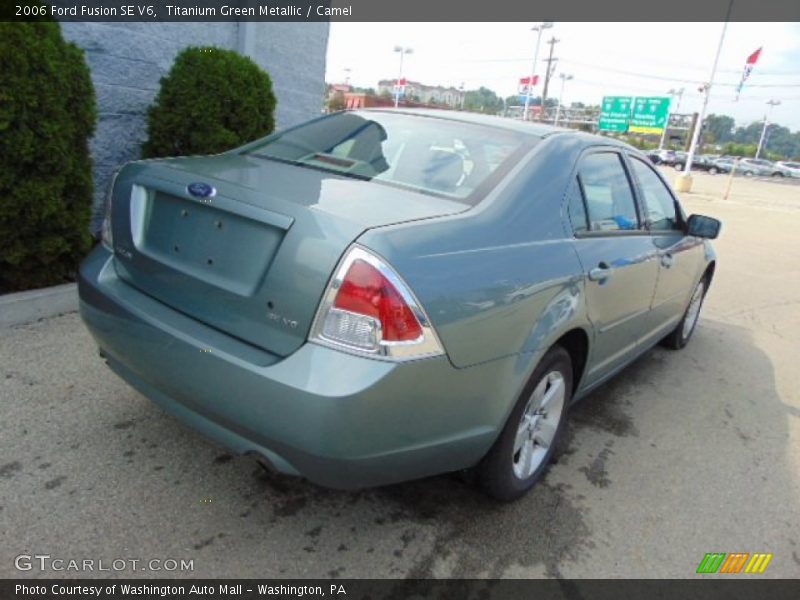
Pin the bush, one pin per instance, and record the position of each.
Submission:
(734, 149)
(212, 100)
(47, 114)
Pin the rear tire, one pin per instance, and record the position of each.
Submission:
(713, 170)
(681, 335)
(522, 452)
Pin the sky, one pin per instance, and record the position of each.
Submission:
(613, 59)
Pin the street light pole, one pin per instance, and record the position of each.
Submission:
(402, 51)
(772, 104)
(564, 78)
(539, 29)
(672, 94)
(684, 183)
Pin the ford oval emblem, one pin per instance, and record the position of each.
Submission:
(199, 189)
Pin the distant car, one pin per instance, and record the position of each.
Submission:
(709, 163)
(661, 157)
(699, 162)
(725, 164)
(368, 297)
(790, 168)
(750, 167)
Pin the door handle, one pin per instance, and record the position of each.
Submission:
(601, 272)
(667, 260)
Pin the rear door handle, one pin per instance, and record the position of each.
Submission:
(667, 260)
(601, 272)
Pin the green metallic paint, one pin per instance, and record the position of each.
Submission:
(340, 420)
(501, 282)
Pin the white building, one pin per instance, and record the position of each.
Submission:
(427, 94)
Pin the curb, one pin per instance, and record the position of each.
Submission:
(24, 307)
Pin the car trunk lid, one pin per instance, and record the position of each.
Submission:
(253, 259)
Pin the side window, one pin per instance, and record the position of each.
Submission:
(607, 193)
(658, 202)
(576, 210)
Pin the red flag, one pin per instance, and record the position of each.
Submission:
(748, 67)
(753, 58)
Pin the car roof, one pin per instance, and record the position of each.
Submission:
(537, 129)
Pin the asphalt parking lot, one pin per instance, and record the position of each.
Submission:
(685, 453)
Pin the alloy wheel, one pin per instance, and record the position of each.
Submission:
(693, 312)
(538, 425)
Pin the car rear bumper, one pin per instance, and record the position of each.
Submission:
(337, 419)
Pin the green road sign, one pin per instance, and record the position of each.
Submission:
(615, 112)
(649, 115)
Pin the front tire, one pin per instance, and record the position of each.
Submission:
(521, 454)
(713, 170)
(681, 335)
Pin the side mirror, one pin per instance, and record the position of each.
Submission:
(704, 227)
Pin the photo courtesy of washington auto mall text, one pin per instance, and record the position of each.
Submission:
(155, 590)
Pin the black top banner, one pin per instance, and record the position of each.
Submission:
(399, 10)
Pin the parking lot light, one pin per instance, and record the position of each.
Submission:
(539, 29)
(683, 183)
(772, 104)
(402, 52)
(564, 78)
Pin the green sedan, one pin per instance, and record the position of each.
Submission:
(381, 295)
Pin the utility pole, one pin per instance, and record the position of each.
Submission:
(538, 29)
(550, 69)
(772, 104)
(684, 181)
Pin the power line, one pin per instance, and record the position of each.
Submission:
(648, 75)
(673, 79)
(673, 65)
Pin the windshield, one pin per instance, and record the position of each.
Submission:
(432, 155)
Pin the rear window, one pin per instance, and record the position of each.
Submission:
(453, 159)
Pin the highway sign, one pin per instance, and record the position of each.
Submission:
(615, 112)
(649, 115)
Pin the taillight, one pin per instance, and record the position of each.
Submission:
(106, 234)
(368, 308)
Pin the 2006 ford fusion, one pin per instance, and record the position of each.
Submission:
(381, 295)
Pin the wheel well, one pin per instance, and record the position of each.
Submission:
(576, 343)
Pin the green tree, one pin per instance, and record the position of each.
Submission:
(719, 128)
(47, 115)
(483, 100)
(212, 100)
(336, 102)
